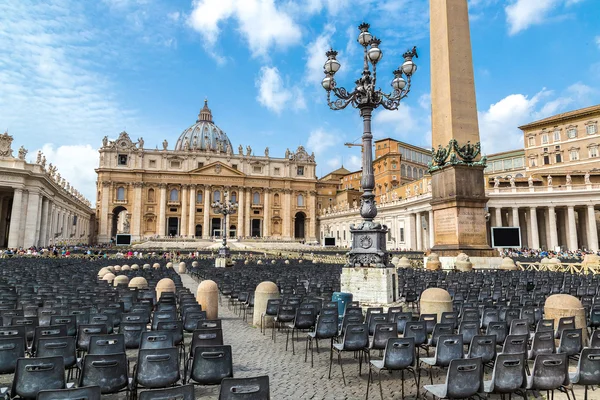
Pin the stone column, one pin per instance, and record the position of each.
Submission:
(183, 224)
(32, 218)
(535, 234)
(241, 212)
(138, 212)
(431, 229)
(44, 225)
(592, 228)
(552, 227)
(515, 217)
(582, 228)
(247, 212)
(162, 210)
(419, 231)
(3, 210)
(191, 228)
(412, 231)
(38, 222)
(312, 215)
(15, 220)
(206, 210)
(498, 216)
(572, 242)
(287, 214)
(267, 214)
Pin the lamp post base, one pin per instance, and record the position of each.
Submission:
(368, 246)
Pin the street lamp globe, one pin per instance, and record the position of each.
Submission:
(331, 65)
(375, 54)
(328, 83)
(398, 83)
(364, 37)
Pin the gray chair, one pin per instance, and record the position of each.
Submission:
(449, 347)
(594, 341)
(327, 328)
(484, 347)
(508, 375)
(519, 327)
(87, 393)
(588, 370)
(382, 333)
(356, 338)
(497, 328)
(256, 388)
(564, 323)
(463, 380)
(543, 343)
(469, 329)
(549, 373)
(514, 344)
(399, 355)
(571, 342)
(185, 392)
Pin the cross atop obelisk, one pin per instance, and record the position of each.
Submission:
(458, 194)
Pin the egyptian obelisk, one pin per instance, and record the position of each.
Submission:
(458, 190)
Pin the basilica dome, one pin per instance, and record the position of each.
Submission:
(204, 135)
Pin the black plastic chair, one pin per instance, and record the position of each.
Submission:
(484, 347)
(399, 355)
(508, 375)
(156, 340)
(571, 342)
(270, 312)
(82, 393)
(108, 371)
(46, 331)
(86, 331)
(449, 347)
(65, 347)
(549, 373)
(327, 328)
(11, 349)
(498, 329)
(210, 365)
(35, 374)
(285, 314)
(209, 324)
(463, 380)
(132, 333)
(107, 344)
(256, 388)
(515, 344)
(160, 316)
(382, 333)
(356, 338)
(401, 319)
(155, 369)
(206, 337)
(305, 319)
(69, 320)
(185, 392)
(587, 373)
(191, 319)
(542, 343)
(519, 327)
(564, 323)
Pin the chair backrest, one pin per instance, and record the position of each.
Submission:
(107, 344)
(136, 317)
(206, 337)
(47, 331)
(594, 339)
(571, 342)
(356, 337)
(589, 367)
(509, 373)
(430, 321)
(174, 326)
(450, 317)
(354, 311)
(519, 327)
(439, 330)
(106, 319)
(465, 378)
(305, 318)
(272, 306)
(211, 365)
(109, 371)
(545, 325)
(160, 316)
(83, 393)
(65, 347)
(564, 323)
(29, 323)
(11, 349)
(549, 371)
(489, 315)
(351, 320)
(132, 333)
(416, 330)
(497, 328)
(209, 323)
(469, 329)
(35, 374)
(85, 331)
(256, 388)
(449, 347)
(401, 319)
(543, 343)
(69, 320)
(191, 319)
(185, 392)
(157, 368)
(515, 344)
(469, 315)
(373, 310)
(382, 333)
(483, 346)
(399, 353)
(327, 326)
(156, 340)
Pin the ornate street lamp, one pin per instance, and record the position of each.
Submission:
(368, 237)
(225, 208)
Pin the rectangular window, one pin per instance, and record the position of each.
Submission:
(257, 169)
(546, 160)
(544, 138)
(556, 147)
(152, 164)
(591, 129)
(545, 149)
(277, 171)
(175, 164)
(518, 162)
(532, 162)
(234, 166)
(497, 165)
(557, 136)
(200, 164)
(300, 171)
(508, 164)
(401, 235)
(593, 152)
(574, 155)
(558, 158)
(122, 159)
(531, 141)
(572, 133)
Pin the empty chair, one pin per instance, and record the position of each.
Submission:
(47, 331)
(191, 318)
(356, 338)
(206, 337)
(305, 319)
(463, 380)
(160, 316)
(350, 320)
(86, 331)
(210, 365)
(29, 323)
(430, 321)
(156, 340)
(469, 329)
(543, 343)
(326, 328)
(132, 333)
(416, 330)
(588, 370)
(82, 393)
(571, 342)
(69, 320)
(209, 323)
(515, 344)
(450, 317)
(107, 344)
(374, 319)
(35, 374)
(594, 341)
(497, 328)
(104, 319)
(108, 371)
(508, 375)
(156, 369)
(564, 323)
(185, 392)
(285, 314)
(449, 347)
(270, 312)
(256, 388)
(549, 373)
(382, 333)
(399, 355)
(489, 315)
(401, 319)
(484, 347)
(65, 347)
(11, 349)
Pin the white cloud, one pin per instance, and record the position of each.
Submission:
(76, 163)
(521, 14)
(597, 40)
(408, 124)
(315, 55)
(174, 16)
(320, 140)
(262, 24)
(273, 94)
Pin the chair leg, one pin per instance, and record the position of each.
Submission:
(306, 348)
(341, 367)
(402, 384)
(330, 361)
(369, 382)
(294, 350)
(380, 388)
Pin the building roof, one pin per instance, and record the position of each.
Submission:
(340, 171)
(204, 135)
(562, 117)
(508, 153)
(425, 149)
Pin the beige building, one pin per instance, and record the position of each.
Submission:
(37, 206)
(168, 192)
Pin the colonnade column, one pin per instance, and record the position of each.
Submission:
(535, 235)
(183, 223)
(287, 215)
(15, 219)
(136, 223)
(412, 231)
(431, 230)
(419, 231)
(103, 232)
(31, 219)
(191, 228)
(226, 218)
(206, 220)
(572, 239)
(312, 215)
(162, 208)
(241, 210)
(267, 214)
(515, 217)
(38, 221)
(552, 227)
(498, 216)
(44, 225)
(592, 228)
(247, 213)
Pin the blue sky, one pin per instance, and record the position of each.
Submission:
(72, 71)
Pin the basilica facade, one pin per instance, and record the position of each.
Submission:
(169, 192)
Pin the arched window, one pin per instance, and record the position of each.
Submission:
(174, 195)
(151, 195)
(300, 201)
(276, 199)
(409, 170)
(120, 193)
(403, 170)
(420, 173)
(414, 172)
(233, 197)
(199, 197)
(216, 196)
(256, 198)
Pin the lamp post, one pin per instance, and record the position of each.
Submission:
(225, 208)
(368, 237)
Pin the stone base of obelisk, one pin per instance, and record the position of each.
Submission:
(448, 263)
(370, 285)
(223, 262)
